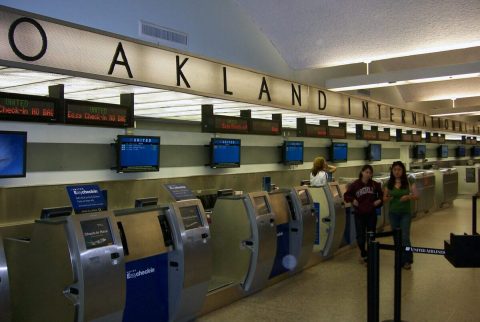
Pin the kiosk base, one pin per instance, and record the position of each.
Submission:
(462, 251)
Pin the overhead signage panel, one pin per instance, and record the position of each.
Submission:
(92, 113)
(16, 107)
(57, 47)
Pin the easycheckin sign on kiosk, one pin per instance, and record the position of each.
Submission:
(168, 261)
(86, 198)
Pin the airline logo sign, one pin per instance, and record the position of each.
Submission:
(64, 49)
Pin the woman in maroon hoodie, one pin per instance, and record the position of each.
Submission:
(365, 195)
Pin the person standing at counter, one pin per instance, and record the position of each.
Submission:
(319, 173)
(365, 195)
(400, 192)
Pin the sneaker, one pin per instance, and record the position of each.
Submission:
(407, 266)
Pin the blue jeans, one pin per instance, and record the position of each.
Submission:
(403, 221)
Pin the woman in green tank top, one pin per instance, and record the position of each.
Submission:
(400, 192)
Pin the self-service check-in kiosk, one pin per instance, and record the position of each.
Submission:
(70, 269)
(331, 218)
(168, 261)
(5, 312)
(446, 186)
(425, 183)
(295, 221)
(244, 239)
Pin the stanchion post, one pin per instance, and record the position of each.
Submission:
(474, 214)
(373, 281)
(397, 297)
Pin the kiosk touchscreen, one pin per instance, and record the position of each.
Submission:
(71, 269)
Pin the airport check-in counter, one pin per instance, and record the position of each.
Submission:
(5, 311)
(295, 221)
(244, 241)
(70, 269)
(446, 186)
(331, 219)
(425, 183)
(168, 261)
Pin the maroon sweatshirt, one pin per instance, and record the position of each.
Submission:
(365, 194)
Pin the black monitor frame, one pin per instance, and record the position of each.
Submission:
(213, 142)
(332, 148)
(440, 151)
(132, 169)
(417, 154)
(369, 155)
(285, 161)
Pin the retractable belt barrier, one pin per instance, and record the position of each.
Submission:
(373, 271)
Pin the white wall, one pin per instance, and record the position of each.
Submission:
(217, 29)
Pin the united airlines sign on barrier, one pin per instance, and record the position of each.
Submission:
(45, 44)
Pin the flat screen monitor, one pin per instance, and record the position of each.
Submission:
(292, 152)
(303, 195)
(374, 152)
(56, 212)
(419, 151)
(13, 154)
(460, 151)
(338, 152)
(475, 151)
(138, 153)
(443, 151)
(191, 217)
(225, 153)
(96, 233)
(261, 205)
(145, 202)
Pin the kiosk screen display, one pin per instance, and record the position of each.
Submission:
(225, 153)
(460, 151)
(138, 153)
(13, 156)
(261, 205)
(302, 194)
(443, 151)
(96, 233)
(292, 152)
(339, 152)
(374, 152)
(419, 151)
(190, 217)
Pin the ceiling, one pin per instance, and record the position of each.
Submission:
(406, 36)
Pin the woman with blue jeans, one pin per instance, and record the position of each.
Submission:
(400, 192)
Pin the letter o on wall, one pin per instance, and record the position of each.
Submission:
(11, 39)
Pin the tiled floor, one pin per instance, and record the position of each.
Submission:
(335, 290)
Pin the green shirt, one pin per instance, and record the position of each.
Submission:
(401, 207)
(397, 206)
